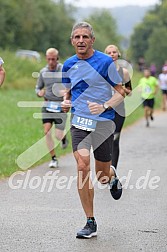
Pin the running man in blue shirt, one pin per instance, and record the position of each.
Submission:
(89, 77)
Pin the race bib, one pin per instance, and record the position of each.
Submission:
(53, 106)
(147, 90)
(84, 123)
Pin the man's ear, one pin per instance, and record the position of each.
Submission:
(72, 42)
(93, 40)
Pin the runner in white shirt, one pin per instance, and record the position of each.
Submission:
(2, 72)
(163, 86)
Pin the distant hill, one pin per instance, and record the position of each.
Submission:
(126, 17)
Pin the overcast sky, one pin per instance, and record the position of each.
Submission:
(111, 3)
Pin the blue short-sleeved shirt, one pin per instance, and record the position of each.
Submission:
(91, 80)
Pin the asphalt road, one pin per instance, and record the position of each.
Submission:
(39, 216)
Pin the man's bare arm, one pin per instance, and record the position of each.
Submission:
(2, 75)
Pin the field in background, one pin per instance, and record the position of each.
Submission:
(18, 129)
(19, 71)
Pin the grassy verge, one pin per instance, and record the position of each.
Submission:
(19, 130)
(19, 71)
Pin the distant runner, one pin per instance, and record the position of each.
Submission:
(163, 86)
(119, 119)
(49, 86)
(2, 72)
(148, 86)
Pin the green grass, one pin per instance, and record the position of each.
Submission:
(18, 129)
(19, 71)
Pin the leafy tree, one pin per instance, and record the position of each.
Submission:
(149, 37)
(105, 29)
(9, 22)
(35, 25)
(142, 32)
(157, 47)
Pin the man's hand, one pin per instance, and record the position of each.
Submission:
(128, 91)
(66, 105)
(95, 108)
(41, 93)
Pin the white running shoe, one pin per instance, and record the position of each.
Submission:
(53, 164)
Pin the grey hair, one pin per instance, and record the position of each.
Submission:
(52, 50)
(83, 25)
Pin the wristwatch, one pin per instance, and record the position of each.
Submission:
(106, 106)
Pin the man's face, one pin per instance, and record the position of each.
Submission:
(113, 53)
(164, 69)
(82, 42)
(52, 59)
(147, 73)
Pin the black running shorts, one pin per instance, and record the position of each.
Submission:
(148, 103)
(100, 140)
(164, 91)
(59, 119)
